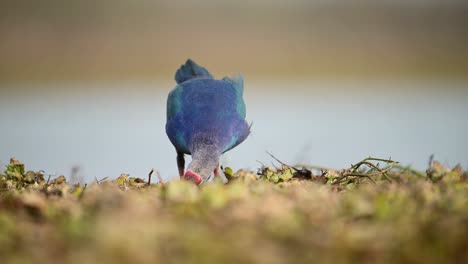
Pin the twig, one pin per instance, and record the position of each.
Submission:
(82, 192)
(149, 176)
(431, 160)
(353, 171)
(339, 180)
(410, 170)
(159, 177)
(46, 185)
(261, 163)
(373, 166)
(101, 180)
(274, 166)
(303, 172)
(282, 163)
(377, 159)
(430, 171)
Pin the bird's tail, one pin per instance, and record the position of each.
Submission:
(191, 70)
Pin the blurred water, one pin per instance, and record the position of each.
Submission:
(108, 129)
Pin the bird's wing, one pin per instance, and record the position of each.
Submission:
(174, 102)
(237, 81)
(241, 128)
(240, 133)
(174, 125)
(191, 70)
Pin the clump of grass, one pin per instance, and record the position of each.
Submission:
(376, 211)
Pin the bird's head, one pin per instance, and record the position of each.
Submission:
(200, 171)
(193, 177)
(204, 161)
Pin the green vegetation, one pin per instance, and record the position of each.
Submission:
(374, 212)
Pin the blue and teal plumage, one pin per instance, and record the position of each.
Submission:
(201, 108)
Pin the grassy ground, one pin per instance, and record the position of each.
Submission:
(374, 212)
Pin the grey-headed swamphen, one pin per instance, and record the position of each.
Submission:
(205, 118)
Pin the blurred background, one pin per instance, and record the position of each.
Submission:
(83, 84)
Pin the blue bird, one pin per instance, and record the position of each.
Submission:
(205, 118)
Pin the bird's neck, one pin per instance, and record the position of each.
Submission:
(205, 158)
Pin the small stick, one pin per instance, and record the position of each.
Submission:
(383, 160)
(431, 160)
(373, 166)
(261, 163)
(274, 166)
(149, 176)
(429, 171)
(82, 192)
(410, 170)
(339, 180)
(101, 180)
(282, 163)
(159, 177)
(46, 186)
(304, 172)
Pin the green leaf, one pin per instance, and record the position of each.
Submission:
(269, 173)
(228, 172)
(77, 190)
(15, 170)
(121, 179)
(286, 175)
(136, 182)
(14, 175)
(274, 178)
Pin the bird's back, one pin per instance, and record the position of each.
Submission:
(208, 103)
(201, 108)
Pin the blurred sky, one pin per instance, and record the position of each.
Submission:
(84, 83)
